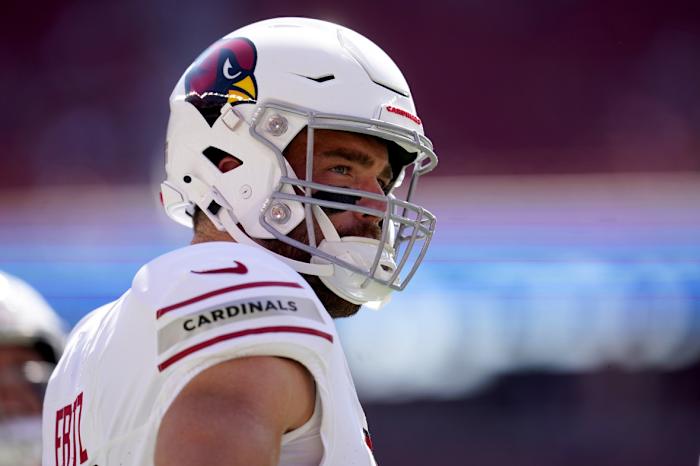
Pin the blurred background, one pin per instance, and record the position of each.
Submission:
(556, 319)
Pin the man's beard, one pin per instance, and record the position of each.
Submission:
(334, 304)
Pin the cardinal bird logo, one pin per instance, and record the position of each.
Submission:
(223, 75)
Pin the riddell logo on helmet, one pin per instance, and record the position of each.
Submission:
(223, 74)
(404, 113)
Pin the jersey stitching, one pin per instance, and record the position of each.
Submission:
(252, 331)
(161, 312)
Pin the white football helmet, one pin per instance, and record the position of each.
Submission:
(26, 321)
(249, 95)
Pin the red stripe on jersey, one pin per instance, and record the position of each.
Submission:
(229, 336)
(242, 286)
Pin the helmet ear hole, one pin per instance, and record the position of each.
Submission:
(229, 163)
(221, 159)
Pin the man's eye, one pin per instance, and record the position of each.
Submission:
(341, 170)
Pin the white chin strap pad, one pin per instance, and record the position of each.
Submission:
(351, 286)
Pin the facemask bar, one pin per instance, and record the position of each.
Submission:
(411, 216)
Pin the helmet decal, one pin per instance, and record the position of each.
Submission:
(222, 75)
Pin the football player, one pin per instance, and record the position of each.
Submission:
(31, 341)
(288, 145)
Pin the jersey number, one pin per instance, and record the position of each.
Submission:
(67, 432)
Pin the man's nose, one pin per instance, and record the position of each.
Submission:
(367, 202)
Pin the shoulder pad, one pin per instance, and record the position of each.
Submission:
(211, 268)
(211, 295)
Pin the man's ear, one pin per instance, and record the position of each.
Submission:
(221, 159)
(228, 163)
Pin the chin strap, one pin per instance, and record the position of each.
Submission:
(325, 224)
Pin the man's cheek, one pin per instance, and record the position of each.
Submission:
(343, 221)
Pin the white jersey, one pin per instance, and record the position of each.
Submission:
(187, 310)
